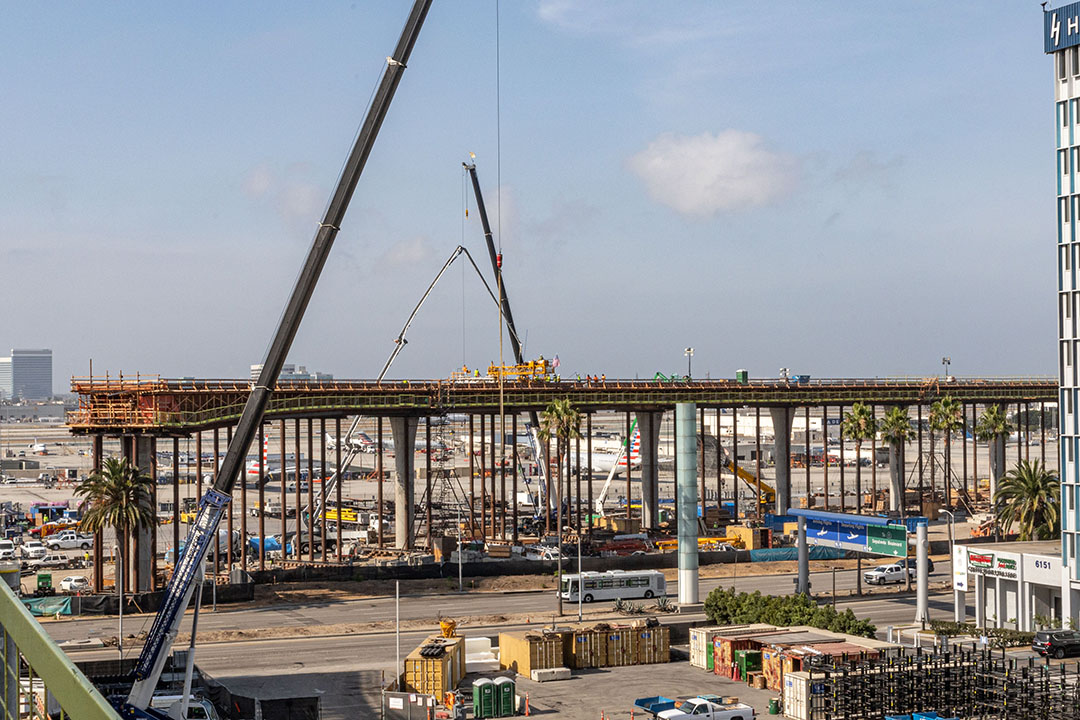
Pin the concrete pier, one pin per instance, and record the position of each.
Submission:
(686, 501)
(649, 426)
(403, 430)
(782, 418)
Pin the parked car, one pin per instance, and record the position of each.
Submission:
(32, 550)
(7, 550)
(74, 583)
(50, 560)
(69, 540)
(913, 563)
(885, 574)
(1058, 643)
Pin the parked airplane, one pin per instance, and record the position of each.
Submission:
(37, 448)
(362, 442)
(603, 461)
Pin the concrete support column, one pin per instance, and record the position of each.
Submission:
(922, 594)
(803, 585)
(782, 419)
(144, 537)
(686, 501)
(649, 426)
(99, 536)
(404, 434)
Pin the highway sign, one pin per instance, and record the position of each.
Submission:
(887, 540)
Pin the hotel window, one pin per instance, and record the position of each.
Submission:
(1065, 209)
(1064, 162)
(1065, 255)
(1061, 65)
(1064, 114)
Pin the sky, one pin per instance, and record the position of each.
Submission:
(842, 189)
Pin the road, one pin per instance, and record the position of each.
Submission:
(419, 607)
(348, 669)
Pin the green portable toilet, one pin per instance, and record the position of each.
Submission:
(483, 698)
(505, 702)
(742, 376)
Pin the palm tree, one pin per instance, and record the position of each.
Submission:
(947, 416)
(859, 425)
(1030, 495)
(993, 427)
(120, 497)
(561, 421)
(896, 430)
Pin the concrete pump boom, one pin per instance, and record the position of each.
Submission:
(203, 531)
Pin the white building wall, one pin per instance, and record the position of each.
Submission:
(1066, 74)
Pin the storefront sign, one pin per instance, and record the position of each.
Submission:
(959, 568)
(992, 565)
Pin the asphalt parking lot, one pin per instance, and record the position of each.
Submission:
(612, 691)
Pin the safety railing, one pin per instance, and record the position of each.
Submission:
(39, 680)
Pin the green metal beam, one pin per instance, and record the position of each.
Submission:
(75, 693)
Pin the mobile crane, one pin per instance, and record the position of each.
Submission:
(533, 427)
(181, 585)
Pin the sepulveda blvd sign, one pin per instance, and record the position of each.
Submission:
(861, 533)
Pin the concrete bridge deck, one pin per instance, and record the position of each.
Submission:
(169, 407)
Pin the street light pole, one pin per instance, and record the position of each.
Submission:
(946, 361)
(689, 353)
(119, 564)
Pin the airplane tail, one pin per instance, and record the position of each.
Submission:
(635, 450)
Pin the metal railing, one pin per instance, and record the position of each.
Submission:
(39, 680)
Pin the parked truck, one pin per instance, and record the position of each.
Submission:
(70, 540)
(701, 707)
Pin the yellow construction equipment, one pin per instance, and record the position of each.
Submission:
(448, 628)
(534, 369)
(768, 492)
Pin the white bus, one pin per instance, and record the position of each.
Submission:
(614, 584)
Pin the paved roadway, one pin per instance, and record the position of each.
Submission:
(348, 670)
(234, 617)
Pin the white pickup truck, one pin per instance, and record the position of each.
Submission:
(69, 540)
(707, 708)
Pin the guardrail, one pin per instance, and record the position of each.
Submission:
(39, 681)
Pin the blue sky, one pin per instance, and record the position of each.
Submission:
(843, 189)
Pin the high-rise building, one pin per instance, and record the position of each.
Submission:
(31, 374)
(1062, 40)
(290, 372)
(6, 386)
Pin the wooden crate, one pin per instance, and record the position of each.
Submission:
(524, 652)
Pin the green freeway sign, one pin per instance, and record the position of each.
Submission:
(887, 540)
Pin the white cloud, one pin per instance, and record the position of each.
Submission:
(299, 201)
(411, 251)
(259, 181)
(705, 174)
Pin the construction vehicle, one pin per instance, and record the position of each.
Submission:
(598, 504)
(533, 426)
(768, 492)
(533, 370)
(191, 560)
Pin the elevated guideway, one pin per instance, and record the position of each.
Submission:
(170, 407)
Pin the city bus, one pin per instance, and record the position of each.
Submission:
(614, 584)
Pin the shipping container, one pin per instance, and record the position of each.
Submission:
(797, 695)
(585, 648)
(621, 647)
(429, 675)
(653, 645)
(524, 652)
(701, 646)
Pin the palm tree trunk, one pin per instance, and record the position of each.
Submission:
(896, 476)
(858, 477)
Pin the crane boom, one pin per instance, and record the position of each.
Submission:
(179, 590)
(496, 266)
